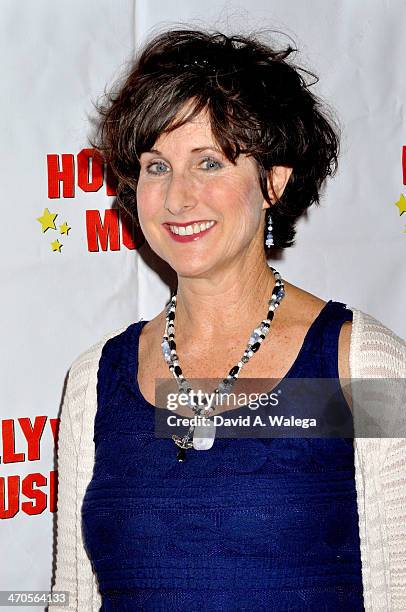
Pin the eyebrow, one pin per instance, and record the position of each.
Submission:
(195, 150)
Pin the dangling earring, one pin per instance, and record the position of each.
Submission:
(269, 237)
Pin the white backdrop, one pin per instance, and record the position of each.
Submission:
(58, 300)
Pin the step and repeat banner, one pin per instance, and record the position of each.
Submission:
(73, 268)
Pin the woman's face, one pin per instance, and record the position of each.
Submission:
(197, 210)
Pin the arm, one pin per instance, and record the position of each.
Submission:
(393, 473)
(74, 571)
(378, 353)
(65, 571)
(344, 341)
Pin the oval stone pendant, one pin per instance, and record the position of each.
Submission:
(203, 436)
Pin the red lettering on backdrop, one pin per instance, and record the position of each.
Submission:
(33, 435)
(53, 487)
(107, 233)
(54, 423)
(10, 509)
(92, 173)
(103, 233)
(7, 434)
(66, 175)
(90, 162)
(32, 488)
(31, 493)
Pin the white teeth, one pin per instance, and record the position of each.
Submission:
(196, 228)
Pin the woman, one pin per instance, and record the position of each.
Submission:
(219, 146)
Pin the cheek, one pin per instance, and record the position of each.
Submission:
(147, 201)
(229, 194)
(243, 199)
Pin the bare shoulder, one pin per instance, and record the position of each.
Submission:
(300, 307)
(150, 339)
(344, 341)
(344, 349)
(155, 327)
(307, 307)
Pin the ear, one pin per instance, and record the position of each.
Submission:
(277, 179)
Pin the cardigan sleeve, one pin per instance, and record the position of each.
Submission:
(378, 353)
(75, 461)
(65, 536)
(393, 474)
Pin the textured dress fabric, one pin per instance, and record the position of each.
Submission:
(251, 524)
(376, 352)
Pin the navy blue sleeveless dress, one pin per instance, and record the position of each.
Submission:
(251, 524)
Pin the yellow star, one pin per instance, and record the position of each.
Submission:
(401, 204)
(64, 228)
(56, 245)
(47, 220)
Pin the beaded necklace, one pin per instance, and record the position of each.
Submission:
(201, 437)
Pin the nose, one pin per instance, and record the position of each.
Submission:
(179, 195)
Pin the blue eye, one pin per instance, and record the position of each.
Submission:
(158, 164)
(159, 167)
(212, 163)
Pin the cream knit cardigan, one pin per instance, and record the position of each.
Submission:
(380, 476)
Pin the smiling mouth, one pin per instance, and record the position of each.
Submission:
(189, 230)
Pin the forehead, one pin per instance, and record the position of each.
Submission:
(196, 131)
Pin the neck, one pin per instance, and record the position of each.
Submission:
(207, 310)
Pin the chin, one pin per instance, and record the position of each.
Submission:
(190, 268)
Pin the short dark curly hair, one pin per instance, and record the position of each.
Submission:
(258, 104)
